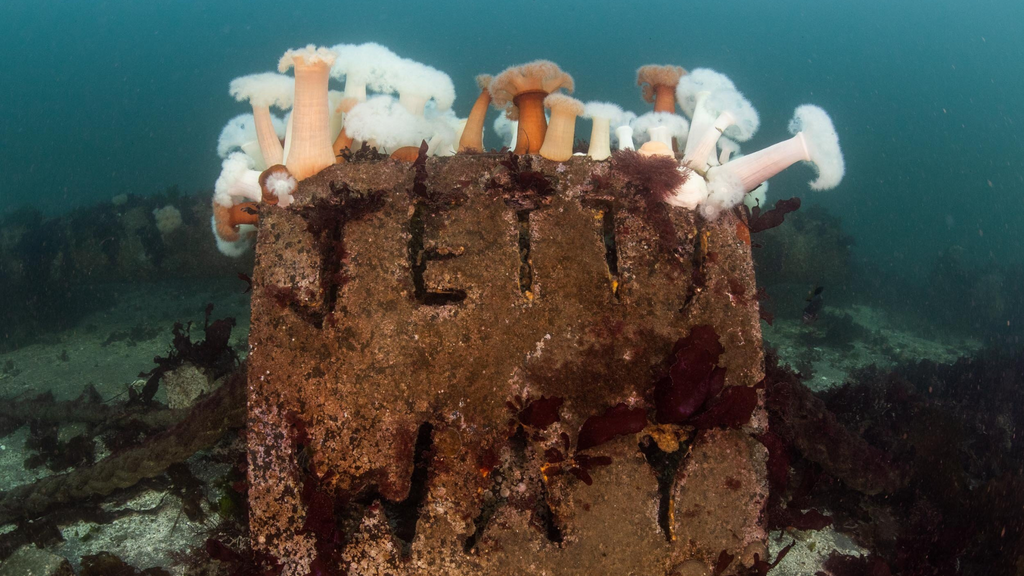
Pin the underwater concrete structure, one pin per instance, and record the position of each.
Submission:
(454, 369)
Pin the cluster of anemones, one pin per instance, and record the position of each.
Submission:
(410, 102)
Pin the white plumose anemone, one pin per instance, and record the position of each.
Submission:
(240, 134)
(263, 91)
(384, 121)
(238, 181)
(363, 65)
(814, 141)
(281, 184)
(660, 127)
(603, 115)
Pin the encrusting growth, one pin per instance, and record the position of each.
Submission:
(310, 149)
(658, 85)
(473, 135)
(562, 130)
(526, 86)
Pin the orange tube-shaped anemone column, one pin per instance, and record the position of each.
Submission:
(562, 131)
(406, 154)
(310, 150)
(658, 85)
(228, 219)
(526, 86)
(473, 134)
(533, 125)
(343, 141)
(656, 148)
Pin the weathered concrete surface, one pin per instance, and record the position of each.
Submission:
(377, 388)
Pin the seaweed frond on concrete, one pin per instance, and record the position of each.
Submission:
(652, 176)
(365, 153)
(520, 186)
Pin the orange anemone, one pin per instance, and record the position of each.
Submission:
(658, 85)
(406, 154)
(277, 184)
(656, 148)
(227, 220)
(343, 141)
(743, 231)
(473, 134)
(525, 86)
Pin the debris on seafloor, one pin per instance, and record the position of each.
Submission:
(143, 441)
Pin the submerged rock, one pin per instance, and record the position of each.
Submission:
(32, 561)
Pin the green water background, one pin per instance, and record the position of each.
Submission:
(105, 97)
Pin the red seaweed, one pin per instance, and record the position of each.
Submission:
(618, 420)
(724, 559)
(219, 551)
(809, 520)
(694, 391)
(658, 176)
(541, 413)
(584, 464)
(419, 181)
(693, 378)
(213, 354)
(521, 187)
(761, 221)
(248, 282)
(730, 409)
(778, 460)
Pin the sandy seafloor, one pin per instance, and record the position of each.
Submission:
(109, 349)
(881, 341)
